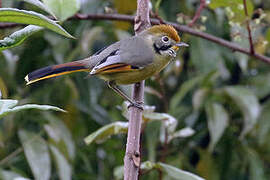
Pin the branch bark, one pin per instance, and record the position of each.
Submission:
(198, 13)
(248, 28)
(132, 157)
(185, 29)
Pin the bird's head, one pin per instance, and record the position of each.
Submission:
(165, 40)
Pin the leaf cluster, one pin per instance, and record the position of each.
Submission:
(210, 107)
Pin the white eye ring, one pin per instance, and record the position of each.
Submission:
(165, 39)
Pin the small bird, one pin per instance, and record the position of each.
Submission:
(125, 62)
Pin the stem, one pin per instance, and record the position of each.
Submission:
(182, 28)
(160, 174)
(132, 156)
(164, 147)
(198, 13)
(248, 29)
(163, 92)
(10, 156)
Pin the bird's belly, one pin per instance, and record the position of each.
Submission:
(134, 76)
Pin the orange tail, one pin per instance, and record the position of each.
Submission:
(56, 70)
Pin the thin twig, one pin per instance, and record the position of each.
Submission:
(248, 29)
(9, 25)
(185, 29)
(156, 16)
(163, 92)
(164, 147)
(160, 174)
(19, 150)
(198, 13)
(10, 156)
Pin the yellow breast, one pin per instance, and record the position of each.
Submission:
(137, 75)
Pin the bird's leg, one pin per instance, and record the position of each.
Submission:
(114, 87)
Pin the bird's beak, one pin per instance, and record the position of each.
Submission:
(181, 44)
(177, 45)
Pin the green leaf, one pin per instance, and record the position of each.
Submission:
(234, 8)
(182, 133)
(118, 172)
(37, 154)
(203, 59)
(63, 166)
(247, 103)
(268, 35)
(169, 121)
(207, 166)
(176, 173)
(30, 17)
(107, 131)
(204, 80)
(18, 37)
(256, 165)
(183, 90)
(172, 171)
(217, 120)
(61, 135)
(199, 97)
(9, 175)
(152, 135)
(157, 4)
(8, 106)
(263, 129)
(40, 5)
(260, 84)
(146, 110)
(63, 9)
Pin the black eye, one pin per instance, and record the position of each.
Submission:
(165, 39)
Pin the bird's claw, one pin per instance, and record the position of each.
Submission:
(136, 104)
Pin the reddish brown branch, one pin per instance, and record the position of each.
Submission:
(132, 157)
(248, 29)
(156, 16)
(198, 13)
(185, 29)
(182, 28)
(8, 25)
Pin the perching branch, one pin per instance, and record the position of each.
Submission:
(182, 28)
(8, 25)
(132, 157)
(198, 13)
(185, 29)
(248, 29)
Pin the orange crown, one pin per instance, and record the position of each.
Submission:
(166, 29)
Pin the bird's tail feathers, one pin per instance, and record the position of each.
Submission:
(56, 70)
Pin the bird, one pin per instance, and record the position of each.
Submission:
(124, 62)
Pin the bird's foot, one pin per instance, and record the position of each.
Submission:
(137, 105)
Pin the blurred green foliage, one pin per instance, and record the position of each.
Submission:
(209, 111)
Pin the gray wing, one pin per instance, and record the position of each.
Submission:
(133, 51)
(136, 52)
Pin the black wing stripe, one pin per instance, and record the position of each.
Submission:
(105, 59)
